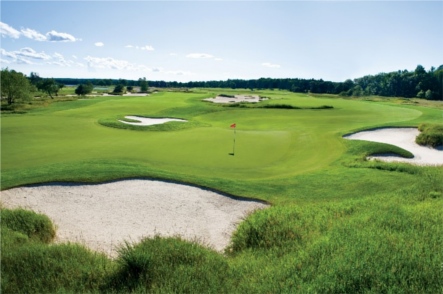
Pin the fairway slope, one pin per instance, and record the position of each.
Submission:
(104, 216)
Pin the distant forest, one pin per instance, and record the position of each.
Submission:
(403, 83)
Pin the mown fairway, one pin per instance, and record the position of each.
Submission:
(339, 223)
(269, 143)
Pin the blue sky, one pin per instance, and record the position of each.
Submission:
(199, 40)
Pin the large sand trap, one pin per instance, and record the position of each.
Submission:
(103, 216)
(236, 99)
(403, 138)
(145, 121)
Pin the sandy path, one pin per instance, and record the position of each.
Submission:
(102, 216)
(403, 138)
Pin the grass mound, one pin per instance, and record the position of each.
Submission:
(29, 265)
(169, 265)
(27, 223)
(39, 268)
(431, 135)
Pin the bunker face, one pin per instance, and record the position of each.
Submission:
(103, 216)
(403, 138)
(145, 121)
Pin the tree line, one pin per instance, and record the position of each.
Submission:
(403, 83)
(418, 83)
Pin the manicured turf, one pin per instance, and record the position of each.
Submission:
(269, 142)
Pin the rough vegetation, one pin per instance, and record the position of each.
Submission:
(431, 135)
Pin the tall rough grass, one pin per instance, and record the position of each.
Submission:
(431, 135)
(169, 265)
(30, 265)
(388, 243)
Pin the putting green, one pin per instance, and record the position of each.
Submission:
(269, 142)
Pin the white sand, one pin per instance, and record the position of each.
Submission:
(145, 121)
(103, 216)
(403, 138)
(236, 99)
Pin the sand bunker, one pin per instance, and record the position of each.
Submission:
(103, 216)
(145, 121)
(403, 138)
(235, 99)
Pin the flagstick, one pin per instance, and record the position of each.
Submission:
(233, 146)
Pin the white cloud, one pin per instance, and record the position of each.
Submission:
(218, 59)
(54, 36)
(23, 61)
(199, 55)
(99, 44)
(108, 62)
(271, 65)
(31, 53)
(74, 56)
(33, 34)
(7, 54)
(173, 54)
(60, 60)
(179, 72)
(147, 48)
(8, 31)
(4, 61)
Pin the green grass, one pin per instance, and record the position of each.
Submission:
(339, 223)
(431, 135)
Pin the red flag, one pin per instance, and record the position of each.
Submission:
(233, 125)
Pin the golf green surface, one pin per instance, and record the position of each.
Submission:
(65, 140)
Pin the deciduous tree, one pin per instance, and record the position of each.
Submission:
(143, 84)
(49, 86)
(14, 85)
(84, 89)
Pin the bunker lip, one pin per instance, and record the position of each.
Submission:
(146, 121)
(104, 216)
(403, 137)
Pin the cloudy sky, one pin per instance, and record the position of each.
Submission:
(208, 40)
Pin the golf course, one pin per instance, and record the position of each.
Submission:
(334, 221)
